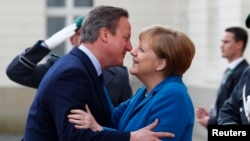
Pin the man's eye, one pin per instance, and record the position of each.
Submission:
(126, 38)
(141, 49)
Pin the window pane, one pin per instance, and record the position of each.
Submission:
(55, 3)
(83, 3)
(54, 24)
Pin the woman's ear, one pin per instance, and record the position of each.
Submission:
(162, 64)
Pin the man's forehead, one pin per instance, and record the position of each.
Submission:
(124, 26)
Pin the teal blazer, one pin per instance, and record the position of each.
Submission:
(169, 101)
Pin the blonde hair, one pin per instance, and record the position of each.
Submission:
(172, 45)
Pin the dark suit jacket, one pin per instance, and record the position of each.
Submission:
(116, 80)
(226, 90)
(25, 70)
(233, 110)
(71, 83)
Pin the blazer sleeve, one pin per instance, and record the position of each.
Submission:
(24, 68)
(229, 112)
(174, 110)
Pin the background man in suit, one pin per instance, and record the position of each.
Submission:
(24, 68)
(236, 109)
(234, 41)
(116, 80)
(76, 79)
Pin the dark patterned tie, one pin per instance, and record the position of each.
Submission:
(106, 92)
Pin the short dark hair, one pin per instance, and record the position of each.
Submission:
(101, 17)
(240, 34)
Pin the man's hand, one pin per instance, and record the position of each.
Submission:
(60, 36)
(202, 116)
(146, 133)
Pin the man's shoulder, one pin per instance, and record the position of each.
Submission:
(242, 66)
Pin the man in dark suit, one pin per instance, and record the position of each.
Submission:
(116, 81)
(76, 79)
(24, 68)
(236, 109)
(234, 41)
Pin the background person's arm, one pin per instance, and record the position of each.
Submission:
(24, 68)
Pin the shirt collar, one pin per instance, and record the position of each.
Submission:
(93, 59)
(233, 64)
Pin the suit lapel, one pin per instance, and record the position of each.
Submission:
(93, 74)
(139, 103)
(109, 76)
(144, 101)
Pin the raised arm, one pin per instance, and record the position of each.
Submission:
(24, 68)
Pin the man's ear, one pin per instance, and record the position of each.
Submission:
(240, 45)
(104, 34)
(71, 40)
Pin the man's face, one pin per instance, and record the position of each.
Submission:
(120, 43)
(230, 49)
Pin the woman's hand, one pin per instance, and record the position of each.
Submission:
(83, 120)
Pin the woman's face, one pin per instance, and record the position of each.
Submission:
(145, 61)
